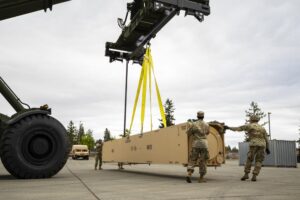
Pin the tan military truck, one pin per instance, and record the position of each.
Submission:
(169, 145)
(80, 151)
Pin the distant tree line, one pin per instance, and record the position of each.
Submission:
(80, 136)
(228, 149)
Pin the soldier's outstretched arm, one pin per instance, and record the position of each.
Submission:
(239, 128)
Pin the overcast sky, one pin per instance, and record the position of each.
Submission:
(244, 51)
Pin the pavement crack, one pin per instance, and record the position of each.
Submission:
(83, 183)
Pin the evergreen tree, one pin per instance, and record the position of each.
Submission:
(169, 113)
(127, 133)
(254, 110)
(88, 139)
(228, 149)
(72, 132)
(80, 133)
(235, 150)
(107, 135)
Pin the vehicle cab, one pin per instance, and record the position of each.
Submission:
(80, 151)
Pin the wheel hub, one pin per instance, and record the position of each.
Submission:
(38, 147)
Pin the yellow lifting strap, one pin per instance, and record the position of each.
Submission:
(147, 68)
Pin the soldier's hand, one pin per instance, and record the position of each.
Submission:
(44, 107)
(268, 151)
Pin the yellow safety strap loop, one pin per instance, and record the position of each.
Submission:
(147, 66)
(144, 93)
(136, 98)
(161, 108)
(150, 94)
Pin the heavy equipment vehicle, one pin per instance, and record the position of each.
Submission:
(32, 143)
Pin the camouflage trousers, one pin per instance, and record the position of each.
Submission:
(258, 153)
(198, 156)
(98, 159)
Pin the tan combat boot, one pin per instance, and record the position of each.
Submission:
(246, 176)
(120, 166)
(188, 178)
(201, 179)
(253, 177)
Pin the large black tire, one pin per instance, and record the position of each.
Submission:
(35, 147)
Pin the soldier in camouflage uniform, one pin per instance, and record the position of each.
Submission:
(198, 131)
(258, 144)
(98, 157)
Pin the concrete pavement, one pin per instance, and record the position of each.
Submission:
(78, 180)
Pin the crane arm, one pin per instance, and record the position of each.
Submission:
(14, 8)
(148, 17)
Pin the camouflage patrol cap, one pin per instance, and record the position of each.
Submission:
(254, 118)
(200, 114)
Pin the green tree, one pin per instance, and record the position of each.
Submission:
(254, 110)
(169, 113)
(88, 139)
(235, 150)
(72, 132)
(80, 133)
(107, 135)
(127, 133)
(228, 149)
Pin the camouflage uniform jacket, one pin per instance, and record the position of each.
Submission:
(99, 148)
(257, 134)
(199, 131)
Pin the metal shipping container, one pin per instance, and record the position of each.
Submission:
(283, 153)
